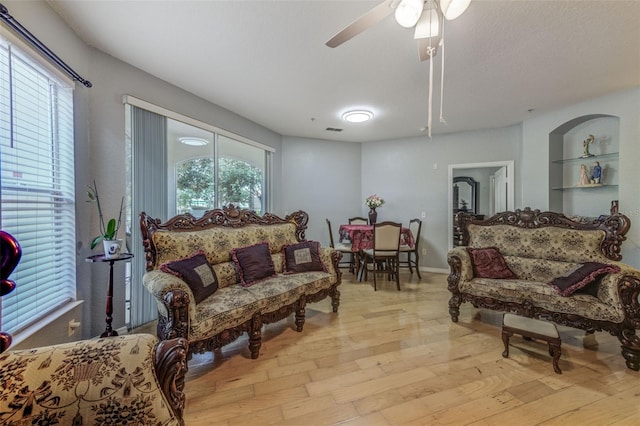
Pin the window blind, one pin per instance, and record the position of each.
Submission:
(36, 186)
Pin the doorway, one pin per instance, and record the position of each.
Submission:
(495, 186)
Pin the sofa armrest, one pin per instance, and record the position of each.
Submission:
(170, 362)
(465, 266)
(331, 257)
(175, 303)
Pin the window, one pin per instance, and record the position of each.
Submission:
(213, 173)
(36, 185)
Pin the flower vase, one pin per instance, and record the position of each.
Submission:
(373, 216)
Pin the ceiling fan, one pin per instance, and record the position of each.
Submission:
(424, 15)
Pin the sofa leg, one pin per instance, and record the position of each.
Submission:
(255, 336)
(630, 348)
(454, 308)
(335, 299)
(300, 317)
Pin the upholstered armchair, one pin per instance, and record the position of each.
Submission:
(130, 379)
(121, 380)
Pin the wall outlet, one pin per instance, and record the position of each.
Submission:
(424, 251)
(72, 327)
(423, 214)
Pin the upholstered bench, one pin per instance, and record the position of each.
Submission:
(531, 328)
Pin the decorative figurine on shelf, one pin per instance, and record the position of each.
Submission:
(596, 175)
(584, 177)
(585, 146)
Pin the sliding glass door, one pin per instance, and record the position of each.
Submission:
(177, 166)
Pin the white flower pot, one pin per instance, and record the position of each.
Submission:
(112, 248)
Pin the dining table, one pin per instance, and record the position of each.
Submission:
(361, 236)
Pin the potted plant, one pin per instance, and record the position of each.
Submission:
(109, 231)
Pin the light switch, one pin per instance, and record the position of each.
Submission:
(435, 166)
(423, 215)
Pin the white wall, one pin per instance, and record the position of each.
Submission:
(323, 179)
(412, 176)
(534, 180)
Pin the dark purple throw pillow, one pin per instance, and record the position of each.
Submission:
(580, 277)
(487, 262)
(302, 257)
(196, 271)
(254, 263)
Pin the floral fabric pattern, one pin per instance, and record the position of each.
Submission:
(552, 243)
(217, 243)
(84, 383)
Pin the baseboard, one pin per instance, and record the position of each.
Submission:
(122, 331)
(434, 270)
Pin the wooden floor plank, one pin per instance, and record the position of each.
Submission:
(395, 358)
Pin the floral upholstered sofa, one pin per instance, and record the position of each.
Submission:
(544, 265)
(231, 271)
(124, 380)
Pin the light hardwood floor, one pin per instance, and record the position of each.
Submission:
(395, 358)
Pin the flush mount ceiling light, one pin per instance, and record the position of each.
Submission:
(193, 141)
(357, 116)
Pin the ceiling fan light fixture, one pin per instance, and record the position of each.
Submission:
(428, 25)
(451, 9)
(408, 12)
(357, 116)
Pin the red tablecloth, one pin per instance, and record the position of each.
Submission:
(361, 236)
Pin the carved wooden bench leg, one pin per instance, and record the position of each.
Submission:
(531, 328)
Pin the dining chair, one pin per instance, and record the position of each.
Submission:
(384, 255)
(415, 226)
(345, 249)
(358, 220)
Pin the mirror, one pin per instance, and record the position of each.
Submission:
(465, 194)
(492, 192)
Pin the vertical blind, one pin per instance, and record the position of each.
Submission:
(36, 186)
(149, 194)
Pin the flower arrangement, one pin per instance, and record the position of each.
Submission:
(373, 201)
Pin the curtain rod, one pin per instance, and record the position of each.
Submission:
(31, 39)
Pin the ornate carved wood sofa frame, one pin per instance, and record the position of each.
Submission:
(538, 247)
(232, 310)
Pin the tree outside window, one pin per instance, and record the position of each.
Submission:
(239, 183)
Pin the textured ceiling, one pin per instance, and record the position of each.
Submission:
(267, 61)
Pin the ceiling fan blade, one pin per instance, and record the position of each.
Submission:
(367, 20)
(423, 48)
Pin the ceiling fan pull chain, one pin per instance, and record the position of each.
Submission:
(442, 120)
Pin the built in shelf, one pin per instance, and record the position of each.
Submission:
(609, 156)
(589, 186)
